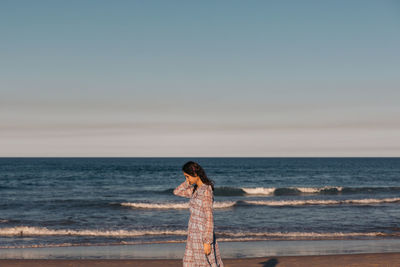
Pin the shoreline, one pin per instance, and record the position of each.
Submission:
(343, 260)
(233, 250)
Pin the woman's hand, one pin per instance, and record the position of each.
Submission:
(207, 248)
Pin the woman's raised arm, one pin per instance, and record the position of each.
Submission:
(184, 190)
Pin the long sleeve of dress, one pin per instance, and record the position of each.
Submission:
(183, 190)
(208, 235)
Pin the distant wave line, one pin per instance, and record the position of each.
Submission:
(279, 191)
(230, 204)
(43, 231)
(323, 202)
(216, 204)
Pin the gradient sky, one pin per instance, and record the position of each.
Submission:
(199, 78)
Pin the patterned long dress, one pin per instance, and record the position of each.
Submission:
(200, 227)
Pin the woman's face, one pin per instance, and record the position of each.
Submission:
(191, 179)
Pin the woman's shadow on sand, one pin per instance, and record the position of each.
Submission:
(269, 263)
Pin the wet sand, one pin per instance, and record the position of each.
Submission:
(347, 260)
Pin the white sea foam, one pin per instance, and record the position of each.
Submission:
(43, 231)
(221, 235)
(299, 234)
(229, 204)
(271, 190)
(45, 245)
(223, 204)
(95, 244)
(322, 202)
(313, 190)
(259, 190)
(373, 200)
(3, 221)
(142, 205)
(296, 236)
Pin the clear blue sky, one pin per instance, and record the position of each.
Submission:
(204, 78)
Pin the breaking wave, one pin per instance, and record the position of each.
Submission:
(368, 201)
(142, 205)
(221, 235)
(282, 191)
(43, 231)
(231, 204)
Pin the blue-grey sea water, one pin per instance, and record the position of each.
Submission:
(92, 201)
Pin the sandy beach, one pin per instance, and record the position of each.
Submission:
(353, 260)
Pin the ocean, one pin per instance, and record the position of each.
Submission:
(64, 202)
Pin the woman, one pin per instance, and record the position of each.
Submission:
(201, 246)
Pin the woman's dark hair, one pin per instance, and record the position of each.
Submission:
(194, 169)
